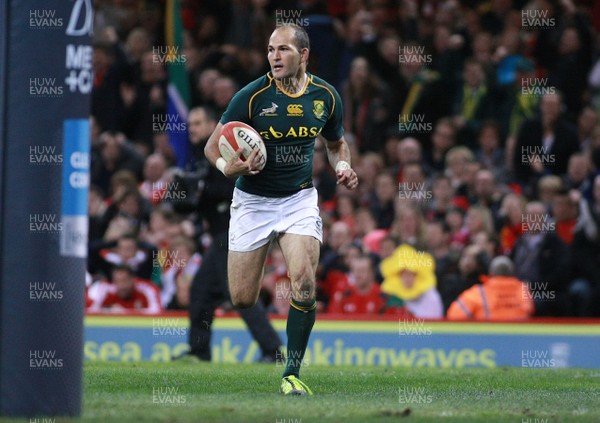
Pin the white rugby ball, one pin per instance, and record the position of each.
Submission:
(236, 135)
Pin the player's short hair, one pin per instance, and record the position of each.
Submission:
(300, 37)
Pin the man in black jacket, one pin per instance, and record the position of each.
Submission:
(542, 260)
(209, 287)
(544, 144)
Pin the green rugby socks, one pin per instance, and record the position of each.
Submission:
(300, 321)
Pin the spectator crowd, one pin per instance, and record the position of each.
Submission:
(474, 132)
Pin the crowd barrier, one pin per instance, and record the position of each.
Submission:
(358, 340)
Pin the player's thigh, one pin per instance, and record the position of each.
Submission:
(301, 254)
(245, 271)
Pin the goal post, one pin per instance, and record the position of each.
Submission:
(45, 82)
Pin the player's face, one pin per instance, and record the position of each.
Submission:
(284, 57)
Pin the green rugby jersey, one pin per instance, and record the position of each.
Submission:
(288, 124)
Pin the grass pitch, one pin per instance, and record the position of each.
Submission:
(203, 392)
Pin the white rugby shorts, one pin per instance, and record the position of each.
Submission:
(257, 220)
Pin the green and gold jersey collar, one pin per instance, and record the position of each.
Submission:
(280, 87)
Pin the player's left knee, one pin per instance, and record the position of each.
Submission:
(304, 287)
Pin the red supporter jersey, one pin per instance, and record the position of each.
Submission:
(509, 234)
(145, 297)
(565, 230)
(335, 281)
(351, 301)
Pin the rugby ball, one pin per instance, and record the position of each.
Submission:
(236, 135)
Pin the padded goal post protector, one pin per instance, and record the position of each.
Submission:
(45, 82)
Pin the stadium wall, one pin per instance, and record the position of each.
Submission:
(340, 341)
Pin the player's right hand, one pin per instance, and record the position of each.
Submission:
(347, 178)
(238, 167)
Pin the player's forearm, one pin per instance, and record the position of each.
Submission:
(337, 153)
(211, 151)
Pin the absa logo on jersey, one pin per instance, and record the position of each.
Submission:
(298, 132)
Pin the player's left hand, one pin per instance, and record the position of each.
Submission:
(347, 178)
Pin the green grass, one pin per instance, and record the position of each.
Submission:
(123, 392)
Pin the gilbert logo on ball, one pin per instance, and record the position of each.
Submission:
(236, 135)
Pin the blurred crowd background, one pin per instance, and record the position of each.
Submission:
(474, 132)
